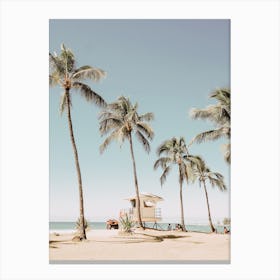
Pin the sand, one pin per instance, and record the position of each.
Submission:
(148, 245)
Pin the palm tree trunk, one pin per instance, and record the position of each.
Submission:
(136, 183)
(82, 220)
(181, 202)
(209, 215)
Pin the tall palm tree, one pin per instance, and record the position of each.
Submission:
(175, 152)
(203, 173)
(219, 114)
(63, 72)
(122, 120)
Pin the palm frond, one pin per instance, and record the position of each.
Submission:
(224, 117)
(146, 129)
(131, 116)
(88, 72)
(125, 105)
(108, 140)
(203, 113)
(115, 106)
(227, 152)
(162, 162)
(209, 135)
(174, 142)
(54, 79)
(163, 177)
(135, 107)
(63, 103)
(89, 94)
(227, 157)
(182, 144)
(51, 80)
(196, 162)
(218, 113)
(56, 64)
(174, 146)
(190, 174)
(121, 106)
(146, 117)
(143, 141)
(106, 113)
(164, 147)
(122, 134)
(218, 183)
(68, 58)
(222, 95)
(214, 113)
(108, 124)
(219, 176)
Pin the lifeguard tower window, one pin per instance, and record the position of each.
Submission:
(148, 204)
(133, 203)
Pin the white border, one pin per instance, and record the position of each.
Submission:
(255, 140)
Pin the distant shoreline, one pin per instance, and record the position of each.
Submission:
(69, 227)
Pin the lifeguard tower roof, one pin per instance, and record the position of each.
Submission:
(147, 196)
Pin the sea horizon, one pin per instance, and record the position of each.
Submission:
(171, 219)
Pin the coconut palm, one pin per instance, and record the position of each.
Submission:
(219, 114)
(122, 120)
(203, 173)
(175, 152)
(64, 73)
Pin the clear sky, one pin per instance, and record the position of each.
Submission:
(168, 67)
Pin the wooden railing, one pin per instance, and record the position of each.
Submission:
(158, 213)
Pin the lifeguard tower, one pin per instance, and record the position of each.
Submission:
(149, 211)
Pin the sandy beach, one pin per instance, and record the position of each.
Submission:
(148, 245)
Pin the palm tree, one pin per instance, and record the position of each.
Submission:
(219, 114)
(203, 173)
(63, 72)
(175, 152)
(121, 119)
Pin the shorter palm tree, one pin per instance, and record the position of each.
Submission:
(203, 173)
(122, 120)
(176, 153)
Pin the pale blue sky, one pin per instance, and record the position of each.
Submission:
(168, 67)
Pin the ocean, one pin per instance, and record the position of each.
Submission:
(70, 226)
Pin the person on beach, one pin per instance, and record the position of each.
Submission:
(226, 231)
(169, 227)
(178, 227)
